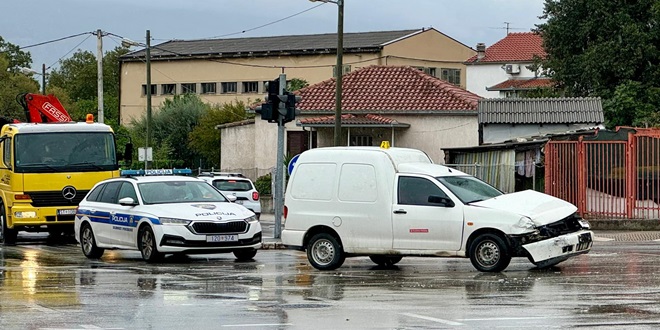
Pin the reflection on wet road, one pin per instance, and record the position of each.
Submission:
(54, 287)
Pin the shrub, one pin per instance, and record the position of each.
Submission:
(263, 184)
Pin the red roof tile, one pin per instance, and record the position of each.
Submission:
(350, 119)
(387, 89)
(515, 47)
(517, 84)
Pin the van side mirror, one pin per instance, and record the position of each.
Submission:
(441, 201)
(128, 152)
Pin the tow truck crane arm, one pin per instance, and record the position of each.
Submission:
(43, 108)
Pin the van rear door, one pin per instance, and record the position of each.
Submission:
(420, 223)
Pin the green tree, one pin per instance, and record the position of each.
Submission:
(170, 127)
(77, 76)
(16, 57)
(12, 82)
(11, 85)
(205, 138)
(296, 84)
(606, 48)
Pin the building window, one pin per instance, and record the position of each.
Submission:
(347, 69)
(452, 76)
(209, 88)
(229, 87)
(427, 70)
(361, 140)
(250, 87)
(144, 90)
(167, 89)
(189, 88)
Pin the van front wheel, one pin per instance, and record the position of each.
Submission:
(489, 253)
(324, 252)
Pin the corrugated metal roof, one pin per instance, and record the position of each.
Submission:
(541, 111)
(298, 44)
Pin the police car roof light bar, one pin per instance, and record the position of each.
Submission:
(152, 172)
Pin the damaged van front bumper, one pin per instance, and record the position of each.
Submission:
(559, 248)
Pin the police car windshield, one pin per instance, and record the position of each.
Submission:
(164, 192)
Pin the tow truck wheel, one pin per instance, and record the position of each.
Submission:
(88, 243)
(147, 244)
(489, 253)
(7, 236)
(245, 254)
(324, 252)
(385, 261)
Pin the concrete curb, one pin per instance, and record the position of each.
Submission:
(625, 224)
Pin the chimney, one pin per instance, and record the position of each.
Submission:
(481, 50)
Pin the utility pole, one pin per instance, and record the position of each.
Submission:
(99, 65)
(43, 79)
(339, 69)
(148, 50)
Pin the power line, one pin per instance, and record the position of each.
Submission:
(54, 40)
(267, 24)
(69, 52)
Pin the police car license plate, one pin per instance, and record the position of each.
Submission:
(221, 238)
(239, 201)
(66, 212)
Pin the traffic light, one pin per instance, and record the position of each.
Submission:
(266, 112)
(290, 105)
(273, 88)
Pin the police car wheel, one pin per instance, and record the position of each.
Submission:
(147, 244)
(88, 243)
(245, 254)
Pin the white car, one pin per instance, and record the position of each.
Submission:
(389, 203)
(164, 214)
(235, 184)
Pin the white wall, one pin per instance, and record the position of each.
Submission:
(480, 76)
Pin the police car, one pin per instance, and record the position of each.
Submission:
(164, 214)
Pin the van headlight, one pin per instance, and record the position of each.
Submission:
(251, 219)
(526, 223)
(174, 221)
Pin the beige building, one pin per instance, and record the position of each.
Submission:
(224, 70)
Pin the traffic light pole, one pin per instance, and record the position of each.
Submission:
(279, 168)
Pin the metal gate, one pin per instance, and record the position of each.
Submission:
(607, 179)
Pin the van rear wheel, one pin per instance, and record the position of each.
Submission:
(324, 252)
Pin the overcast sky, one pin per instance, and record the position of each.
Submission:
(27, 22)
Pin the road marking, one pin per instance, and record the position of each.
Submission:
(433, 319)
(256, 325)
(518, 318)
(602, 239)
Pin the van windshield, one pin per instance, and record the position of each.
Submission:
(469, 189)
(64, 152)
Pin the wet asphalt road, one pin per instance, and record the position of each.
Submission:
(53, 286)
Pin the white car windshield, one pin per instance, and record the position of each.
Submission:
(178, 192)
(469, 189)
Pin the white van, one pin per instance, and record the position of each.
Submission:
(387, 203)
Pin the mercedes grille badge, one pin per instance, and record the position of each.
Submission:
(69, 192)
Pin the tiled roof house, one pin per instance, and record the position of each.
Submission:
(502, 70)
(399, 104)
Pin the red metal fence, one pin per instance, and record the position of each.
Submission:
(607, 179)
